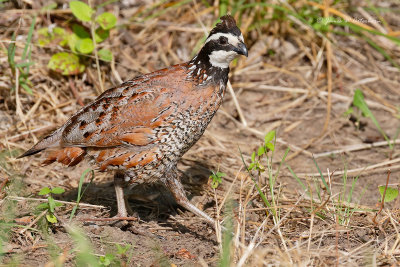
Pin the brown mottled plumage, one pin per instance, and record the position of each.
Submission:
(141, 128)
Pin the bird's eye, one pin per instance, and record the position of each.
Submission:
(223, 40)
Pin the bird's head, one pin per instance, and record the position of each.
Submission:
(224, 43)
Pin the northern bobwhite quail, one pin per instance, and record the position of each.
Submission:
(141, 128)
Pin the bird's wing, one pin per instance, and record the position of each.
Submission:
(128, 114)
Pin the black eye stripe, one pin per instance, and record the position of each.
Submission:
(223, 40)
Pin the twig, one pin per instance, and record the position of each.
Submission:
(235, 101)
(109, 219)
(34, 221)
(383, 198)
(357, 170)
(3, 184)
(355, 147)
(75, 92)
(26, 133)
(60, 201)
(115, 72)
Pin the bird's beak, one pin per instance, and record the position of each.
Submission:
(241, 49)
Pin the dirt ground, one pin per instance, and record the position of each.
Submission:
(284, 85)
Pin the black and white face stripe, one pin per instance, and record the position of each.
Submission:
(227, 47)
(232, 39)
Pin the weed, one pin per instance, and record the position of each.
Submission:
(110, 259)
(21, 70)
(82, 40)
(216, 179)
(256, 169)
(390, 194)
(83, 249)
(51, 204)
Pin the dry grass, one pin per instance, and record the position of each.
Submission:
(296, 81)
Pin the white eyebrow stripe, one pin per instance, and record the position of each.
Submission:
(241, 38)
(233, 40)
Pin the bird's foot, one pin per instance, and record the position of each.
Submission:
(123, 220)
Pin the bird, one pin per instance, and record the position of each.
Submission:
(140, 129)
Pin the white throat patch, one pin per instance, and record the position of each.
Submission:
(221, 58)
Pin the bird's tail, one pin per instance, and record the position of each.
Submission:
(52, 140)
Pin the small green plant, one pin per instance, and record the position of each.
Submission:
(51, 204)
(256, 168)
(262, 150)
(390, 194)
(111, 259)
(82, 41)
(21, 70)
(83, 248)
(216, 179)
(106, 260)
(359, 103)
(343, 210)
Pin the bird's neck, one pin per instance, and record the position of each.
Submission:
(202, 70)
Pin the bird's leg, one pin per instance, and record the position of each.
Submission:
(123, 206)
(173, 183)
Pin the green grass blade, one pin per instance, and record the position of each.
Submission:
(225, 260)
(223, 7)
(322, 176)
(297, 178)
(27, 88)
(11, 52)
(28, 39)
(79, 197)
(359, 102)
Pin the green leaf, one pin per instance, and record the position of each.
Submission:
(269, 136)
(100, 35)
(251, 166)
(221, 174)
(391, 193)
(122, 249)
(43, 206)
(358, 101)
(214, 184)
(48, 7)
(253, 156)
(66, 64)
(27, 88)
(106, 20)
(349, 111)
(52, 204)
(80, 31)
(56, 36)
(261, 150)
(58, 204)
(85, 46)
(72, 41)
(57, 190)
(81, 10)
(105, 55)
(270, 146)
(44, 191)
(51, 218)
